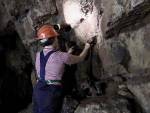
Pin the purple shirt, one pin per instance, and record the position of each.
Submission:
(54, 68)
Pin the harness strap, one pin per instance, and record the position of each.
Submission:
(43, 62)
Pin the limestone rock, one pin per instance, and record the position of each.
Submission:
(69, 105)
(98, 105)
(138, 84)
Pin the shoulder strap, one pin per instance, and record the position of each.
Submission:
(43, 62)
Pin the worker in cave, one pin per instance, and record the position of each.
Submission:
(50, 62)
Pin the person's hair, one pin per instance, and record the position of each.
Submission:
(47, 42)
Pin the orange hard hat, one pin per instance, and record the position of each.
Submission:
(46, 31)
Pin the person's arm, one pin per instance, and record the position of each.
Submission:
(76, 59)
(73, 59)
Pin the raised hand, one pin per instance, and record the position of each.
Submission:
(92, 41)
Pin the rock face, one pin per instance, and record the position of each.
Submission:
(139, 87)
(97, 105)
(117, 65)
(69, 105)
(15, 70)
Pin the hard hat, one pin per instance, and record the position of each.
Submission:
(46, 31)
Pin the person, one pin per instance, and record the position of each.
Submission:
(50, 62)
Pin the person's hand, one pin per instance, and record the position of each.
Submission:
(92, 41)
(87, 45)
(71, 49)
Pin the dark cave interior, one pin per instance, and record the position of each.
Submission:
(16, 87)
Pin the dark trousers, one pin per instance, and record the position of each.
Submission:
(47, 98)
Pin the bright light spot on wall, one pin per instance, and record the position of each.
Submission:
(85, 25)
(72, 13)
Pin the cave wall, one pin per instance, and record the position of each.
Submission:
(125, 53)
(15, 73)
(135, 35)
(128, 51)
